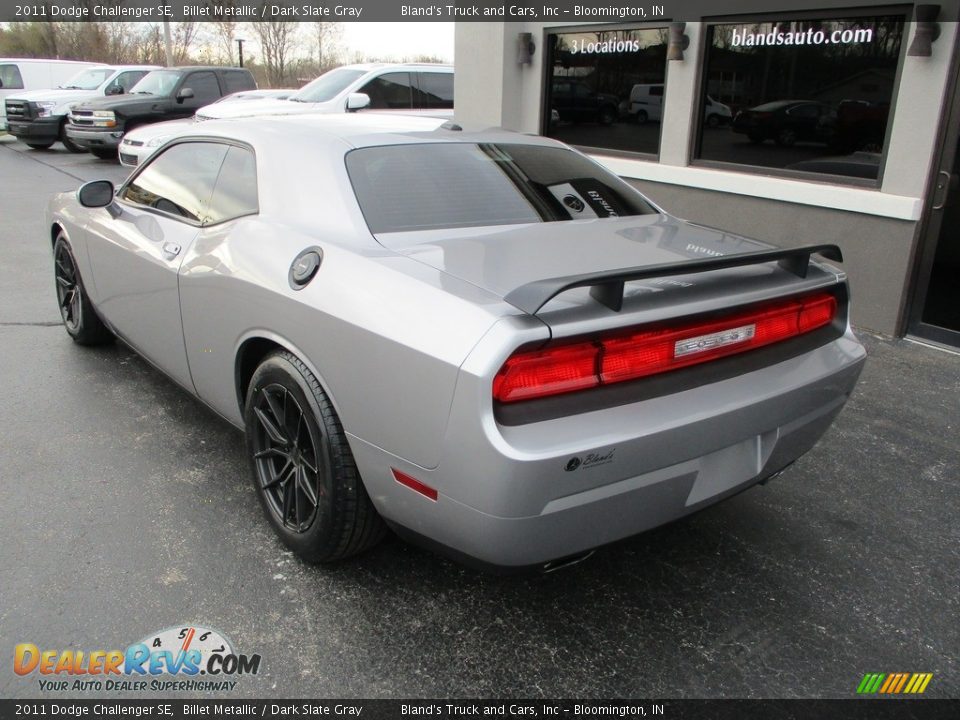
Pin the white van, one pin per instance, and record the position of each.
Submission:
(646, 104)
(20, 74)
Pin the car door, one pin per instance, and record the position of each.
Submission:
(136, 250)
(206, 90)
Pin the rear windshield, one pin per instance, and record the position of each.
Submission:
(451, 185)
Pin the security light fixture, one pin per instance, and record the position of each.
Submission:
(525, 48)
(679, 41)
(926, 32)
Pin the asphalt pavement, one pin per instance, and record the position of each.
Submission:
(127, 508)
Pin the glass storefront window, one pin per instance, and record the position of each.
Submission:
(801, 95)
(605, 88)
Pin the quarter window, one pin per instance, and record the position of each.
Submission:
(235, 193)
(605, 88)
(800, 95)
(179, 181)
(237, 81)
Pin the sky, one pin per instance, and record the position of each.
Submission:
(399, 39)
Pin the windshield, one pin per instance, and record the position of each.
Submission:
(327, 86)
(158, 82)
(454, 185)
(88, 79)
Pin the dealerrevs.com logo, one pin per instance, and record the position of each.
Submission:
(190, 658)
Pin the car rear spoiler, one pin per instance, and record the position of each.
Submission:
(607, 287)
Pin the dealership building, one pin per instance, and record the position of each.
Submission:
(804, 124)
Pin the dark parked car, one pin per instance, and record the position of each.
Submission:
(168, 94)
(576, 102)
(784, 121)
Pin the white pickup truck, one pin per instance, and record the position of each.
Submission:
(37, 117)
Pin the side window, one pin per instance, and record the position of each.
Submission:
(124, 81)
(656, 90)
(390, 91)
(235, 193)
(436, 90)
(10, 78)
(204, 86)
(237, 81)
(179, 181)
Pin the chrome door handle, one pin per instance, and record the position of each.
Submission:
(945, 187)
(171, 248)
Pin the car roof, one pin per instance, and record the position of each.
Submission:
(184, 68)
(353, 130)
(397, 66)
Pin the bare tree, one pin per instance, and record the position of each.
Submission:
(277, 42)
(326, 39)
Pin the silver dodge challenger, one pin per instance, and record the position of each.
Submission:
(485, 341)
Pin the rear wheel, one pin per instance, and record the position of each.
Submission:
(303, 470)
(69, 144)
(78, 314)
(787, 137)
(104, 153)
(642, 117)
(40, 145)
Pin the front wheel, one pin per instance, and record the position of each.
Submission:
(303, 470)
(77, 312)
(642, 117)
(69, 144)
(40, 145)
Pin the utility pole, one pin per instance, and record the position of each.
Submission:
(240, 48)
(167, 43)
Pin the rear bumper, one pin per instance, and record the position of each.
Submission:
(510, 497)
(40, 130)
(88, 138)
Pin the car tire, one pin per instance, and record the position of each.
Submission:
(713, 121)
(786, 138)
(302, 468)
(608, 116)
(642, 117)
(77, 312)
(69, 144)
(104, 153)
(40, 145)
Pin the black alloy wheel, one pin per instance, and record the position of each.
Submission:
(303, 469)
(77, 312)
(288, 464)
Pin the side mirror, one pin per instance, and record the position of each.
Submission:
(357, 101)
(184, 94)
(98, 193)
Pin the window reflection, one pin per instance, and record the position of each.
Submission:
(606, 88)
(811, 95)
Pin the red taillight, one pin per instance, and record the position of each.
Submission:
(547, 372)
(617, 358)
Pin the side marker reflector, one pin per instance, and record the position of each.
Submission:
(414, 484)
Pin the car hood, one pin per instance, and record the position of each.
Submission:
(125, 102)
(252, 108)
(501, 259)
(58, 95)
